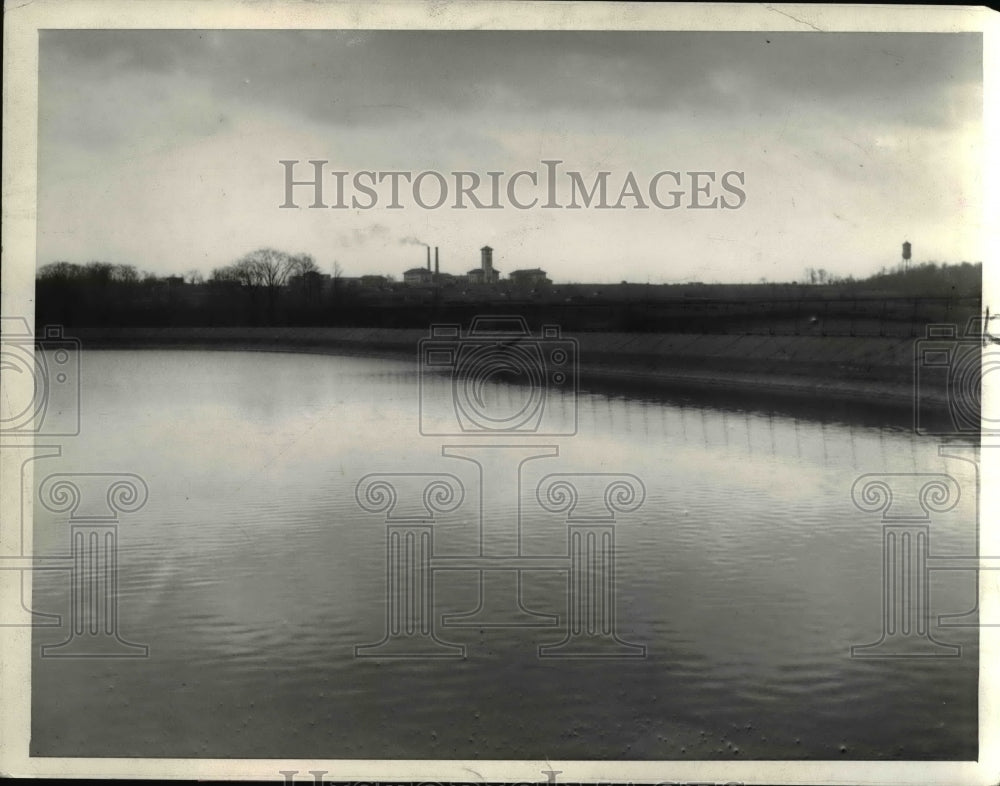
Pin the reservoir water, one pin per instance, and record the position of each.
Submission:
(253, 573)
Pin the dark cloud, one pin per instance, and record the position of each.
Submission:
(163, 145)
(356, 78)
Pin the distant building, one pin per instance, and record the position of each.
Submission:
(531, 277)
(311, 283)
(485, 274)
(418, 275)
(311, 278)
(373, 281)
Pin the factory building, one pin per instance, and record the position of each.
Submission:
(531, 277)
(423, 276)
(485, 273)
(417, 275)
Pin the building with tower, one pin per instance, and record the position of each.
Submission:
(485, 273)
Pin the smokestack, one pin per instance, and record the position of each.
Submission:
(428, 258)
(435, 260)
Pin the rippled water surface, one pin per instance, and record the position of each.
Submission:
(252, 573)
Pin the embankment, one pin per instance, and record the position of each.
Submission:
(868, 371)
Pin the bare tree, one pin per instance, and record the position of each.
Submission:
(338, 274)
(124, 274)
(61, 271)
(264, 267)
(300, 264)
(227, 275)
(99, 272)
(269, 269)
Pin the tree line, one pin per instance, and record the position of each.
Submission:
(264, 287)
(926, 278)
(270, 287)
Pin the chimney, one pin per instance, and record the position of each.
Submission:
(435, 260)
(428, 258)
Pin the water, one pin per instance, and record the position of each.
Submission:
(252, 573)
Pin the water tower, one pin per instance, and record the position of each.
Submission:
(906, 254)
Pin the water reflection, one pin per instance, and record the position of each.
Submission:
(748, 574)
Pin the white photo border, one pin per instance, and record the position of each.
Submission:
(23, 20)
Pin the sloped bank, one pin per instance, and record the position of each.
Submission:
(865, 370)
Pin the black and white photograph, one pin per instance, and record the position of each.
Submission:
(489, 392)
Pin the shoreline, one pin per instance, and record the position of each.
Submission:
(863, 373)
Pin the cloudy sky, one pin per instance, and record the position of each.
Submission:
(161, 148)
